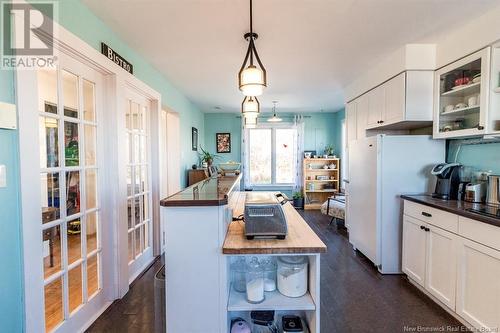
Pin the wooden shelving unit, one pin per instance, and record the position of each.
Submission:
(315, 192)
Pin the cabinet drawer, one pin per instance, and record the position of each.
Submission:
(479, 232)
(436, 217)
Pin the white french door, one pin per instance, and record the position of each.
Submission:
(69, 141)
(138, 179)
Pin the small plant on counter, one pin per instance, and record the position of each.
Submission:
(329, 150)
(298, 200)
(207, 157)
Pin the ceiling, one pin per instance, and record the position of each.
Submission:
(311, 49)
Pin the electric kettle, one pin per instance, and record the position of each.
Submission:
(493, 196)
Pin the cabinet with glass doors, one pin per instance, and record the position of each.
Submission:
(462, 97)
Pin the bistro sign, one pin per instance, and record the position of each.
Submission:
(116, 58)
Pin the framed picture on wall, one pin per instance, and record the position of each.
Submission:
(223, 141)
(194, 138)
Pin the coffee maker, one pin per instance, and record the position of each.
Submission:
(448, 180)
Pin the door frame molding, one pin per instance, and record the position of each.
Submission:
(115, 82)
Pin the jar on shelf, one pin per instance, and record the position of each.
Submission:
(269, 267)
(255, 281)
(238, 271)
(292, 275)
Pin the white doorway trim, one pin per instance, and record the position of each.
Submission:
(116, 79)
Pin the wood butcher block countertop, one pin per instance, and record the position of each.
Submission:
(300, 238)
(212, 191)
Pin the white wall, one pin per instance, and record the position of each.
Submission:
(446, 47)
(468, 38)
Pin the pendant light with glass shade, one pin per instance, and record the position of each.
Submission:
(274, 118)
(252, 79)
(250, 109)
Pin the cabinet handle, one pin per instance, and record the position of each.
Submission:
(422, 227)
(381, 121)
(378, 121)
(479, 127)
(427, 229)
(426, 214)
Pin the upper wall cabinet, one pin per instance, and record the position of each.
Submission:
(403, 102)
(462, 97)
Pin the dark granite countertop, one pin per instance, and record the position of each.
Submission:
(212, 191)
(453, 206)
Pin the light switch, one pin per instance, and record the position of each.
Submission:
(3, 176)
(8, 116)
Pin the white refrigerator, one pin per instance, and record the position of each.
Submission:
(381, 168)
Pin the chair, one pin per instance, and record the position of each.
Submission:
(334, 206)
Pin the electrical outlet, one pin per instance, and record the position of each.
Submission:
(3, 176)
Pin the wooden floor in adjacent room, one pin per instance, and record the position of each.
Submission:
(354, 296)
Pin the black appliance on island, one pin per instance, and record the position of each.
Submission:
(448, 181)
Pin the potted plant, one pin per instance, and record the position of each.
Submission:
(298, 200)
(329, 150)
(206, 157)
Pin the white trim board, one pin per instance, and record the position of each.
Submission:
(26, 92)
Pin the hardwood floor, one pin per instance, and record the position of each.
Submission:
(53, 291)
(354, 296)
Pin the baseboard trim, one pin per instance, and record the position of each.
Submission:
(96, 316)
(441, 304)
(142, 271)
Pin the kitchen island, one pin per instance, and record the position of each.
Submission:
(202, 242)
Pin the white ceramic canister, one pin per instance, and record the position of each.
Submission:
(292, 275)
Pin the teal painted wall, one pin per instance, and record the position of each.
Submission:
(337, 132)
(223, 123)
(78, 19)
(320, 129)
(483, 157)
(11, 286)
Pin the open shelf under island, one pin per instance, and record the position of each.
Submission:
(201, 242)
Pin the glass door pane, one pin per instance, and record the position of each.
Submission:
(138, 179)
(460, 98)
(69, 193)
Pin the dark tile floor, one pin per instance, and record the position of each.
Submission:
(354, 296)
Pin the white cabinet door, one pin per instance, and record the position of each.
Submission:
(350, 111)
(414, 248)
(395, 91)
(376, 105)
(441, 265)
(361, 116)
(478, 285)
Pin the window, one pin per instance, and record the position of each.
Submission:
(272, 155)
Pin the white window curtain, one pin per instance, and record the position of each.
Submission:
(299, 124)
(244, 162)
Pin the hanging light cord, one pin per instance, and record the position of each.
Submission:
(251, 18)
(251, 32)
